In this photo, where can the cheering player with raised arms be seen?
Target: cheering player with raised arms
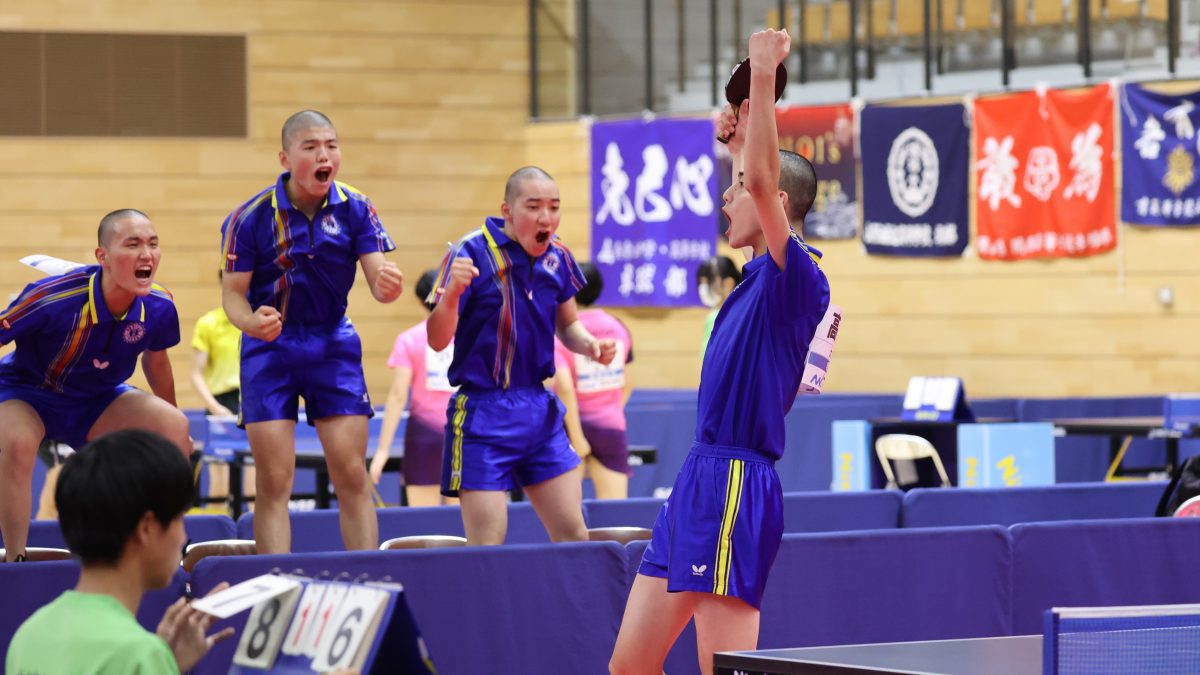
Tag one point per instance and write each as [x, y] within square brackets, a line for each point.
[502, 294]
[289, 258]
[717, 535]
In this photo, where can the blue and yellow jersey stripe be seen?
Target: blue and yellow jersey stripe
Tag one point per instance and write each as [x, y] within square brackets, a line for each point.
[231, 229]
[506, 329]
[48, 293]
[283, 260]
[71, 350]
[457, 424]
[812, 252]
[733, 502]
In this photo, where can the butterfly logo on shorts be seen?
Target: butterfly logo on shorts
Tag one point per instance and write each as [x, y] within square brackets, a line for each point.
[699, 571]
[100, 365]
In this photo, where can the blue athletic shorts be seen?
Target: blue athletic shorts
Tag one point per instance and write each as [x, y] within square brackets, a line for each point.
[498, 439]
[321, 363]
[67, 419]
[720, 529]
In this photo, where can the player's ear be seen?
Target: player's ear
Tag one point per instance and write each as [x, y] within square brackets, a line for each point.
[506, 210]
[783, 199]
[283, 160]
[100, 255]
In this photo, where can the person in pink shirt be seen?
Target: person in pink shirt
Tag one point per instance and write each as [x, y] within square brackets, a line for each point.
[600, 393]
[419, 367]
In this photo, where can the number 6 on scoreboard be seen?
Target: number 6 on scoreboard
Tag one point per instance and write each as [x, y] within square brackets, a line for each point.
[355, 625]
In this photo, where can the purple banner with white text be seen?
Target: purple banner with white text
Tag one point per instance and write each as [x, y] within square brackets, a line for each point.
[654, 209]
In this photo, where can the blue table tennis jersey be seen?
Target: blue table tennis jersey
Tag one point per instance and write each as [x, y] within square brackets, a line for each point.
[303, 268]
[755, 357]
[505, 335]
[70, 343]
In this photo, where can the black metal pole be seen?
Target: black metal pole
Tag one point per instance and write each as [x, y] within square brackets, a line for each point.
[681, 45]
[1172, 34]
[939, 46]
[533, 60]
[585, 58]
[802, 53]
[712, 50]
[737, 31]
[1085, 37]
[782, 9]
[870, 32]
[853, 47]
[928, 48]
[648, 24]
[1006, 60]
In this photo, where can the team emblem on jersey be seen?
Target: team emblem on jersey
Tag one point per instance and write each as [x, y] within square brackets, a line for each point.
[550, 262]
[134, 332]
[330, 225]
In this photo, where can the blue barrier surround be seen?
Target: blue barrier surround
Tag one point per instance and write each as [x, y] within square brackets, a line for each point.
[559, 606]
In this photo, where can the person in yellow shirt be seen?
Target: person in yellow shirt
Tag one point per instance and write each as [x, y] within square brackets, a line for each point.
[216, 345]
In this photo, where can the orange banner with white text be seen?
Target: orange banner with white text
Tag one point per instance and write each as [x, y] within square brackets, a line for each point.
[1044, 174]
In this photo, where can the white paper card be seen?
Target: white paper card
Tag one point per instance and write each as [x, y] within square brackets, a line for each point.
[351, 631]
[244, 595]
[326, 610]
[303, 618]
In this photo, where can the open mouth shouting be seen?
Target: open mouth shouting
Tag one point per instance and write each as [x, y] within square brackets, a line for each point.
[144, 273]
[324, 174]
[542, 237]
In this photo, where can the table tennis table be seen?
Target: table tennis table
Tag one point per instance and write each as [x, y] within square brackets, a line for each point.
[979, 656]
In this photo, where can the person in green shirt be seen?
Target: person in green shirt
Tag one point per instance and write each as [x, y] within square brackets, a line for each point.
[121, 501]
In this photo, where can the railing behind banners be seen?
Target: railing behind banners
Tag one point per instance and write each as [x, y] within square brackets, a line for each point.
[615, 57]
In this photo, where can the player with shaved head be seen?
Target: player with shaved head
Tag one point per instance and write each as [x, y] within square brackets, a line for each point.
[288, 257]
[79, 336]
[502, 293]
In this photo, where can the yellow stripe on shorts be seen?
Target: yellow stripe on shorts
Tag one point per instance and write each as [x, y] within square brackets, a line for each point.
[733, 501]
[460, 417]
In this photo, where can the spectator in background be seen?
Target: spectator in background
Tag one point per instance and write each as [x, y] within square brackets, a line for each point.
[715, 278]
[216, 344]
[598, 393]
[426, 372]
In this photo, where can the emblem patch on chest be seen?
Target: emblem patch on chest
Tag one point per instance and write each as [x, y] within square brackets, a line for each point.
[330, 225]
[134, 332]
[550, 262]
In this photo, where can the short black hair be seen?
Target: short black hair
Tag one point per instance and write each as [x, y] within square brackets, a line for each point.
[718, 267]
[305, 119]
[109, 221]
[588, 295]
[425, 286]
[106, 488]
[798, 179]
[513, 184]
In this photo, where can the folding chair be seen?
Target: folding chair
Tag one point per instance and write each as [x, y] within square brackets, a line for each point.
[907, 449]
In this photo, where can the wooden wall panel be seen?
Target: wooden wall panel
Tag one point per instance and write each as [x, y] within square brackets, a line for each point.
[430, 99]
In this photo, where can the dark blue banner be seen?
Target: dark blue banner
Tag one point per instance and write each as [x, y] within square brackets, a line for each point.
[1159, 156]
[654, 209]
[914, 178]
